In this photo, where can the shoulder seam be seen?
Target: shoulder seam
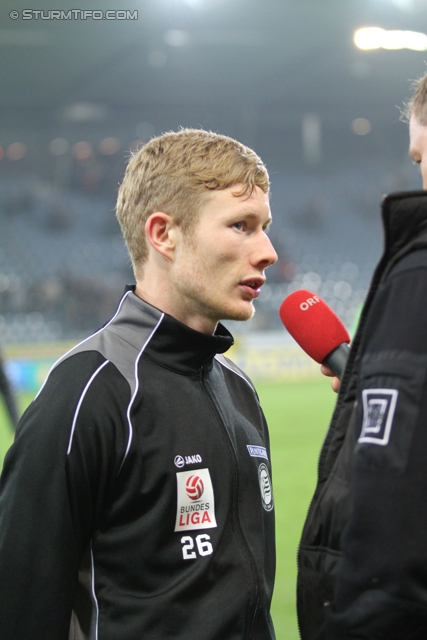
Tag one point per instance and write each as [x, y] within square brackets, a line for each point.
[69, 352]
[137, 389]
[79, 404]
[234, 369]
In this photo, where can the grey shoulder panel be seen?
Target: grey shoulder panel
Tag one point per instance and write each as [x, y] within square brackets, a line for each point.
[122, 340]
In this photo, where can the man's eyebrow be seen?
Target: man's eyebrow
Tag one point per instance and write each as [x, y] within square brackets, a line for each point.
[255, 216]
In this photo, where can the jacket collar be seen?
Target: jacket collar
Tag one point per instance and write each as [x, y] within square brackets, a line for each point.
[405, 217]
[175, 345]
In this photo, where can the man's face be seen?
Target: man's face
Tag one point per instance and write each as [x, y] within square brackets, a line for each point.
[418, 146]
[219, 265]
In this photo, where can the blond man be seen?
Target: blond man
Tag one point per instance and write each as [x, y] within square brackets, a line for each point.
[136, 501]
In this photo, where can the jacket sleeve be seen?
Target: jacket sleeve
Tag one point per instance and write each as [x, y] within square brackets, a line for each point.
[65, 456]
[381, 588]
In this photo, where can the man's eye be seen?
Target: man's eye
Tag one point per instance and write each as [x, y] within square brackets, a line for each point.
[238, 226]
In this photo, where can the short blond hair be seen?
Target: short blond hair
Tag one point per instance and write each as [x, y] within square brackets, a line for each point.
[174, 173]
[417, 105]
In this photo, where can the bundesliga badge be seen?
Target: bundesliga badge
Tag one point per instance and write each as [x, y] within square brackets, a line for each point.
[195, 501]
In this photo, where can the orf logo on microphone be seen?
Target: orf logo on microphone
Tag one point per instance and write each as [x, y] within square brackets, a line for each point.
[194, 487]
[309, 303]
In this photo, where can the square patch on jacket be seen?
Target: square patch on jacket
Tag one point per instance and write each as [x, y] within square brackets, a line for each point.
[195, 501]
[379, 406]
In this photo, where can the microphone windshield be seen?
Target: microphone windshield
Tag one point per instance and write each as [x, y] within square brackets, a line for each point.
[313, 324]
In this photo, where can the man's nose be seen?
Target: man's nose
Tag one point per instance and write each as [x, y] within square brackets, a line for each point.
[266, 254]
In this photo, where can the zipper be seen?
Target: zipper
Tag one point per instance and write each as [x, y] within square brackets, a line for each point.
[241, 537]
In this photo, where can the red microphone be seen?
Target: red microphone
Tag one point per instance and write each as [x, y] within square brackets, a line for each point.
[316, 328]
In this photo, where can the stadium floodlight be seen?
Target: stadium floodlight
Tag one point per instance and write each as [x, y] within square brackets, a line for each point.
[405, 5]
[361, 126]
[16, 151]
[377, 38]
[176, 38]
[195, 4]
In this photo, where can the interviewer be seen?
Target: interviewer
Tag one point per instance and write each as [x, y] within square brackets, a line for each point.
[363, 555]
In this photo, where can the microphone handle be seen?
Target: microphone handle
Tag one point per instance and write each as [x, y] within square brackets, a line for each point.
[337, 359]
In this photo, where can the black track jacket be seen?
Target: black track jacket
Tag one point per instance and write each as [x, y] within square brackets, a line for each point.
[363, 555]
[136, 501]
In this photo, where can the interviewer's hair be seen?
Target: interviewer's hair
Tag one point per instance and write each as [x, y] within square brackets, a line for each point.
[174, 173]
[418, 103]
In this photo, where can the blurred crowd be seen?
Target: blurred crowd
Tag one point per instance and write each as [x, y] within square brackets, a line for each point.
[63, 264]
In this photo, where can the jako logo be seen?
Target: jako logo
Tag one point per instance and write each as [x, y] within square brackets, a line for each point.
[194, 487]
[309, 303]
[179, 461]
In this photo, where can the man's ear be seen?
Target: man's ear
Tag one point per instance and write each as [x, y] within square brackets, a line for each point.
[160, 231]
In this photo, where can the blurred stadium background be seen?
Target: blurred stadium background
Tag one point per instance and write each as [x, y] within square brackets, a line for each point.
[81, 91]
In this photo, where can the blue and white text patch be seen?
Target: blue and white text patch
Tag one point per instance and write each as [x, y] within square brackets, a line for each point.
[257, 452]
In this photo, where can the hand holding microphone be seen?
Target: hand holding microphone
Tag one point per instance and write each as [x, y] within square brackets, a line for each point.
[317, 329]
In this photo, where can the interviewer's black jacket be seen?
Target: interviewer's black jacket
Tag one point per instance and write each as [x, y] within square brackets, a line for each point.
[363, 554]
[136, 501]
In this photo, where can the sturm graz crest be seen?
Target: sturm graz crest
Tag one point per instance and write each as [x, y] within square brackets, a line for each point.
[265, 486]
